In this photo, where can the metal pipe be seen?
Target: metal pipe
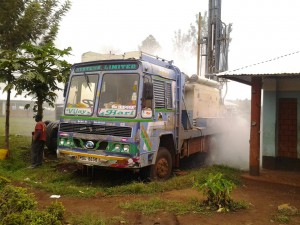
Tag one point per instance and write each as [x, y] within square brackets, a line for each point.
[199, 42]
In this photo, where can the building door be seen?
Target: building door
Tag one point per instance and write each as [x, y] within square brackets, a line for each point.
[287, 127]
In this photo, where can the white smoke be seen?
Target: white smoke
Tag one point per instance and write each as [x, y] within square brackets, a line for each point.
[231, 148]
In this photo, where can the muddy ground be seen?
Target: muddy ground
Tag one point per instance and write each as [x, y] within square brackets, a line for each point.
[263, 195]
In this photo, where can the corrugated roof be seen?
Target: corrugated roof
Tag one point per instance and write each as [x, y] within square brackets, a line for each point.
[286, 66]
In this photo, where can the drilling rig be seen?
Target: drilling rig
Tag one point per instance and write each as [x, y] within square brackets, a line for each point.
[139, 112]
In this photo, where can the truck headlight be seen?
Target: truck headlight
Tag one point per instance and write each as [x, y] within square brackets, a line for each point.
[117, 148]
[62, 142]
[126, 148]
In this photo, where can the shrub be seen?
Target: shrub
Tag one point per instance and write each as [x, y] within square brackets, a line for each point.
[18, 207]
[15, 200]
[56, 209]
[3, 181]
[217, 191]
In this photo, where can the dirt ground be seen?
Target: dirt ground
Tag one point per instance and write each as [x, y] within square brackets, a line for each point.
[263, 194]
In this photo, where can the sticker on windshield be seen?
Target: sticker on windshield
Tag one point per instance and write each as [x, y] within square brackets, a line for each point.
[121, 111]
[78, 111]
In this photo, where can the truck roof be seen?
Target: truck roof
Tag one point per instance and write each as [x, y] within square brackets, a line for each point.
[138, 55]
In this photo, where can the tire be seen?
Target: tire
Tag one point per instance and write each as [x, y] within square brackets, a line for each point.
[162, 169]
[51, 136]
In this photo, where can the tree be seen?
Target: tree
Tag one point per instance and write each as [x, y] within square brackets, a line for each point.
[42, 69]
[150, 45]
[8, 64]
[187, 42]
[24, 21]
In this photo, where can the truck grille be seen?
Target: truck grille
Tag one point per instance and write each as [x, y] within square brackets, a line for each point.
[96, 129]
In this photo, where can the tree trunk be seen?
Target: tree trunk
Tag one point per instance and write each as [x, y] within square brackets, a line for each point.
[40, 106]
[7, 121]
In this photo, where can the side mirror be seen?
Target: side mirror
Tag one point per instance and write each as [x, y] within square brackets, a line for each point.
[148, 91]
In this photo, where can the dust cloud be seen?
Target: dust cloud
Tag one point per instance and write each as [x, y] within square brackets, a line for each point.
[231, 147]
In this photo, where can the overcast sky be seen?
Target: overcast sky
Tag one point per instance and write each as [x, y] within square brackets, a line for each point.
[262, 29]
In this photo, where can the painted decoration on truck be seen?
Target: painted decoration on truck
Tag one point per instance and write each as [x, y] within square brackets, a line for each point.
[146, 138]
[147, 113]
[102, 67]
[78, 111]
[117, 110]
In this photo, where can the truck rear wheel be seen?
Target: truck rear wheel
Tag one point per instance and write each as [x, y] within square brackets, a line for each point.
[51, 136]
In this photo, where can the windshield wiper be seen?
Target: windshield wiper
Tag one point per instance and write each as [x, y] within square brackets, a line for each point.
[87, 81]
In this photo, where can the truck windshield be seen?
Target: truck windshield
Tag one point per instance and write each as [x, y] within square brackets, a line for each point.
[118, 96]
[80, 100]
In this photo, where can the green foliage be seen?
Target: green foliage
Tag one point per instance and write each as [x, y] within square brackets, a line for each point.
[30, 21]
[56, 209]
[8, 63]
[19, 207]
[217, 191]
[282, 218]
[42, 69]
[3, 181]
[15, 200]
[22, 22]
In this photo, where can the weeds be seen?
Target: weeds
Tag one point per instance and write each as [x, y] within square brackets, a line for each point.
[285, 212]
[217, 190]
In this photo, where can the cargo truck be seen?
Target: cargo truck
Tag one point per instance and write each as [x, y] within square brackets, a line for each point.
[135, 111]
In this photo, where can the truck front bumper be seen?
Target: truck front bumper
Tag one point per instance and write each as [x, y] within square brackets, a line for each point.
[99, 160]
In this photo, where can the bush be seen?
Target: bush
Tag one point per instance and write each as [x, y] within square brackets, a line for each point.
[18, 207]
[3, 181]
[56, 209]
[15, 200]
[217, 191]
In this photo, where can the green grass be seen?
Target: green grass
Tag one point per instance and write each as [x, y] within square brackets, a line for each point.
[94, 219]
[51, 178]
[155, 205]
[59, 177]
[192, 205]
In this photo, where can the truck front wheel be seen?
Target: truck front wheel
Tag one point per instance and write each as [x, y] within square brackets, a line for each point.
[162, 168]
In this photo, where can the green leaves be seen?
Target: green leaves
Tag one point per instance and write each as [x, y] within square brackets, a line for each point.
[35, 22]
[19, 207]
[42, 71]
[30, 21]
[217, 191]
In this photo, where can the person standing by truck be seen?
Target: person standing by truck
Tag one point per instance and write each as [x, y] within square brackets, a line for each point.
[38, 142]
